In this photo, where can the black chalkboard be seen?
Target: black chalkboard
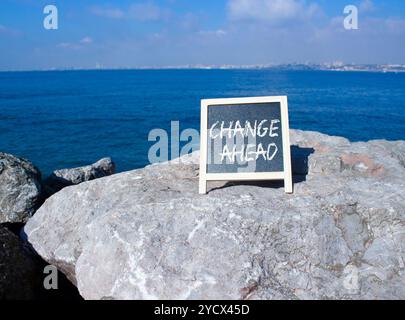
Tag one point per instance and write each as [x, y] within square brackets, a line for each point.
[245, 138]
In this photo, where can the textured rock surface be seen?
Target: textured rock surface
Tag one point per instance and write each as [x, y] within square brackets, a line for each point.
[60, 179]
[20, 189]
[148, 234]
[18, 270]
[22, 273]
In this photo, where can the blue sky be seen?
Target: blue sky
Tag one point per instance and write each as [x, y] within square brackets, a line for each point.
[132, 33]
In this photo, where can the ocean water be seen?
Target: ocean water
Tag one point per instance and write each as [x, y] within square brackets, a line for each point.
[71, 118]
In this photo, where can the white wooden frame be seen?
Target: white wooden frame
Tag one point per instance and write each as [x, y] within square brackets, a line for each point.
[285, 175]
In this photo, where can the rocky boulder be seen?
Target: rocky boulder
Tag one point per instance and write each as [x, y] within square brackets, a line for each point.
[18, 270]
[60, 179]
[20, 189]
[148, 234]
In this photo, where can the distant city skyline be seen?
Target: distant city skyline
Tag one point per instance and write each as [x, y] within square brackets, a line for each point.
[161, 33]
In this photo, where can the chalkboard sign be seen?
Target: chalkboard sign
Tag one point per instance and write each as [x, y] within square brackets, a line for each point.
[245, 139]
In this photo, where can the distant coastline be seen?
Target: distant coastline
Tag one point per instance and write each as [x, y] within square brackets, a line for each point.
[336, 66]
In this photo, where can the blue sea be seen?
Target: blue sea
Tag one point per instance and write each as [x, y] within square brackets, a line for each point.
[61, 119]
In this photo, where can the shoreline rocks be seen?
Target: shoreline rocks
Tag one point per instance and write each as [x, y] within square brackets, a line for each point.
[21, 194]
[18, 270]
[22, 273]
[60, 179]
[20, 189]
[148, 234]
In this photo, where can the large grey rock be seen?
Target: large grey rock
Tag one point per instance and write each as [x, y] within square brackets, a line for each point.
[147, 233]
[60, 179]
[20, 189]
[18, 270]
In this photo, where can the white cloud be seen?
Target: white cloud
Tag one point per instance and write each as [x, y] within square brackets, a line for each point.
[148, 11]
[141, 11]
[65, 45]
[190, 21]
[366, 6]
[114, 13]
[216, 33]
[8, 31]
[396, 26]
[86, 40]
[270, 10]
[75, 45]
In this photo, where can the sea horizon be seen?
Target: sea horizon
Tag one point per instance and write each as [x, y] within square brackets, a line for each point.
[335, 67]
